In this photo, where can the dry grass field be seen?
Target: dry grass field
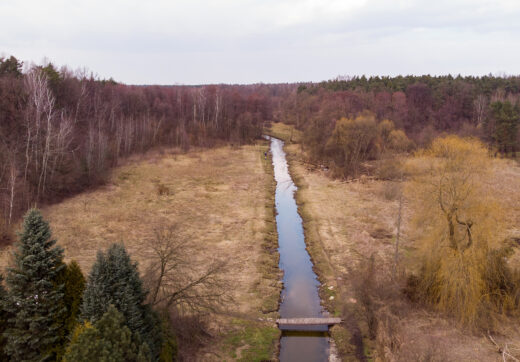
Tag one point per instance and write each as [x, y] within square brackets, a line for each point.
[221, 200]
[347, 223]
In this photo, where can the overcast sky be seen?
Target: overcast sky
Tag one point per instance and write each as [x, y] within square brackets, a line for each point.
[248, 41]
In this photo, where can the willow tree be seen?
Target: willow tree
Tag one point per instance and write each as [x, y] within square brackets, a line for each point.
[458, 225]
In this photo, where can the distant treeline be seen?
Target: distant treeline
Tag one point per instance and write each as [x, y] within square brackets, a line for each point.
[61, 131]
[487, 84]
[423, 106]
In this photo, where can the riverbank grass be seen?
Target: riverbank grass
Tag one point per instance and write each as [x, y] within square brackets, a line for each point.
[269, 260]
[251, 342]
[348, 224]
[222, 201]
[285, 132]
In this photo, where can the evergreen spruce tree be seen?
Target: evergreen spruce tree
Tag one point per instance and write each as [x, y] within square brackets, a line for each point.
[3, 320]
[169, 346]
[34, 298]
[108, 340]
[114, 280]
[506, 123]
[74, 284]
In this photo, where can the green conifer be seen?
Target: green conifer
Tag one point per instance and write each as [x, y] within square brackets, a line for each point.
[169, 346]
[74, 284]
[108, 340]
[114, 279]
[74, 287]
[34, 298]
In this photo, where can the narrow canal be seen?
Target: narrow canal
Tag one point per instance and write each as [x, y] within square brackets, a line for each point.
[300, 296]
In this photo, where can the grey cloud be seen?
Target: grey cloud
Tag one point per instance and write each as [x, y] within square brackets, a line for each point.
[264, 40]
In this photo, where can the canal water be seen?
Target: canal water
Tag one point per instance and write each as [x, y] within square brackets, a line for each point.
[300, 296]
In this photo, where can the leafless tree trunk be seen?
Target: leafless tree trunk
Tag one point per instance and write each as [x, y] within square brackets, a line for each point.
[398, 234]
[47, 145]
[479, 109]
[12, 188]
[118, 138]
[62, 142]
[218, 102]
[176, 280]
[39, 123]
[156, 131]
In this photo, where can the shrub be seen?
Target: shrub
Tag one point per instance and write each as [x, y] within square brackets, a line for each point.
[390, 190]
[383, 307]
[398, 141]
[169, 346]
[73, 281]
[6, 233]
[74, 286]
[390, 168]
[352, 142]
[463, 270]
[385, 127]
[109, 339]
[162, 189]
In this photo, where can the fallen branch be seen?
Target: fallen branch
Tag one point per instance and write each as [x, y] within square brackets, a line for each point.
[506, 350]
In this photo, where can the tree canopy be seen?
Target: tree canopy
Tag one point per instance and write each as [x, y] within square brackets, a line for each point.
[109, 339]
[35, 298]
[114, 280]
[458, 225]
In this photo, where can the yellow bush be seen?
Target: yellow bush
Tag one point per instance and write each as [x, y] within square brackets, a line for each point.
[352, 142]
[398, 141]
[457, 224]
[385, 127]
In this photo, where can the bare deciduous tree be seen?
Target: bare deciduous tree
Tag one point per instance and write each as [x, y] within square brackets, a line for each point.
[12, 188]
[480, 105]
[49, 133]
[175, 278]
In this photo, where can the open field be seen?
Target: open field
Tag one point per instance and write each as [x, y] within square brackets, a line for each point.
[285, 132]
[223, 201]
[347, 224]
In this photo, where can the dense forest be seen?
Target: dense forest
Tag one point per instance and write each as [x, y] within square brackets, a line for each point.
[421, 106]
[61, 131]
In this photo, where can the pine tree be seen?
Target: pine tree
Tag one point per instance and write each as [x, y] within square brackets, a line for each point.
[504, 125]
[74, 287]
[114, 279]
[169, 346]
[108, 340]
[74, 284]
[34, 298]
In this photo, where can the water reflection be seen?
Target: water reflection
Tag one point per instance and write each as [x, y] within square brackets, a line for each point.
[300, 294]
